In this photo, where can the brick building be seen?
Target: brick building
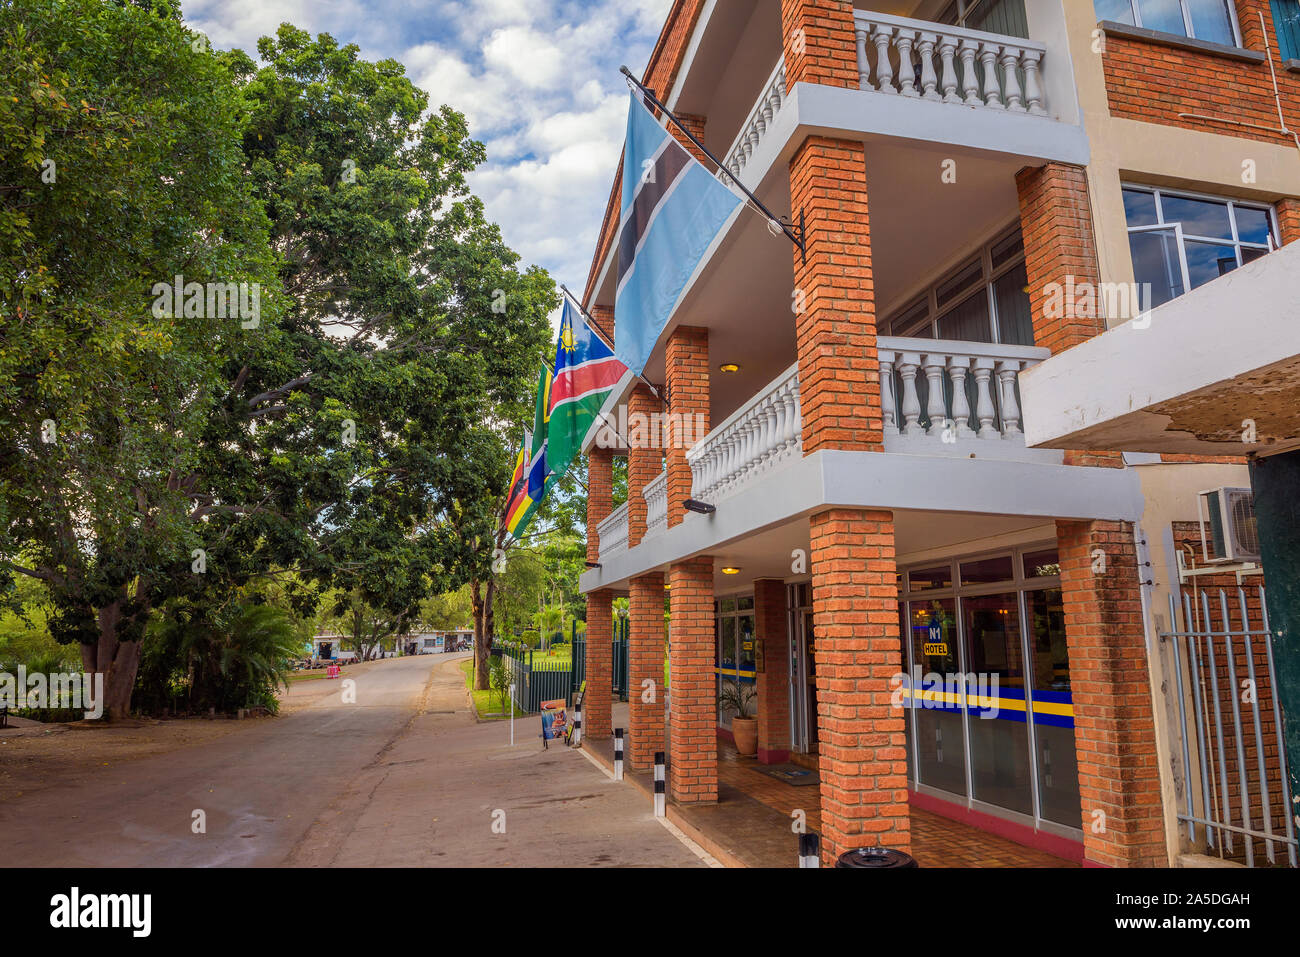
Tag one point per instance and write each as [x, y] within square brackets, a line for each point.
[982, 185]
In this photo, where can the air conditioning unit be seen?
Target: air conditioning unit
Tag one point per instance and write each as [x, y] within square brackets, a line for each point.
[1228, 529]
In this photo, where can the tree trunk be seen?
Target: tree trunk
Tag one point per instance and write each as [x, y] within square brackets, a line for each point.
[118, 661]
[481, 636]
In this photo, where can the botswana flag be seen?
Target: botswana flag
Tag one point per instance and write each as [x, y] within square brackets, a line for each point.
[673, 209]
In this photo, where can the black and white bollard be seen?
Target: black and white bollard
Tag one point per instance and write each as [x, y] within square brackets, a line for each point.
[577, 727]
[809, 850]
[618, 754]
[661, 784]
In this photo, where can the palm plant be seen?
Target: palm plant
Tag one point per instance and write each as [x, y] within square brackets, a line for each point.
[737, 697]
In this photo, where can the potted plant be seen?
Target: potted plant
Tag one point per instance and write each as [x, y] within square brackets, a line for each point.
[744, 726]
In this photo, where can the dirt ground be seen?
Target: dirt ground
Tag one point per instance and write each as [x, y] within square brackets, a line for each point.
[35, 757]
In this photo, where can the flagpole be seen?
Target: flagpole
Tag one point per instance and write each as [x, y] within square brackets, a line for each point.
[788, 228]
[591, 321]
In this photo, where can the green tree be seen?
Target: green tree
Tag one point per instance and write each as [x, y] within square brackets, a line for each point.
[120, 169]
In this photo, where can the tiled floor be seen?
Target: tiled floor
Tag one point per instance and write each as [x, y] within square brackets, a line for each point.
[752, 821]
[937, 841]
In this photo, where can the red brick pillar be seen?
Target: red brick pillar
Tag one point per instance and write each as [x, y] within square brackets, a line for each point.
[1288, 219]
[771, 632]
[604, 317]
[1056, 223]
[597, 720]
[693, 730]
[600, 497]
[687, 364]
[644, 459]
[645, 663]
[695, 124]
[1114, 729]
[820, 42]
[1061, 251]
[862, 756]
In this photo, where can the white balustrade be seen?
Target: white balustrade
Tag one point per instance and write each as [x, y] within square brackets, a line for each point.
[949, 64]
[656, 505]
[763, 434]
[760, 120]
[951, 371]
[613, 533]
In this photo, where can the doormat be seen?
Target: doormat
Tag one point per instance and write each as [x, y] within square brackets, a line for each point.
[791, 774]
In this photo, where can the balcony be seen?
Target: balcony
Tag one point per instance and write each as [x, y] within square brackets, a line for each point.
[939, 399]
[1013, 95]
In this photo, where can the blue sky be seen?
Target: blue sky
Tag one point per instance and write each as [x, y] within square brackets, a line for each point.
[537, 79]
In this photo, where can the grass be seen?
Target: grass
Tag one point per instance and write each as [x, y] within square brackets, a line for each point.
[485, 702]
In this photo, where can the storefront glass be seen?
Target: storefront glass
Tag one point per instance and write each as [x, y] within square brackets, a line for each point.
[993, 625]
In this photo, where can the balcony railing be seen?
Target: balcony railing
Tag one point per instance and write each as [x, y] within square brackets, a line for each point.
[763, 434]
[613, 533]
[952, 391]
[769, 105]
[933, 61]
[656, 505]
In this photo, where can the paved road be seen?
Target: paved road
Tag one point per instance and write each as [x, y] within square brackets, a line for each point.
[402, 777]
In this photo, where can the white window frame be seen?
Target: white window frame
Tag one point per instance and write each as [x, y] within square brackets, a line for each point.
[1189, 32]
[1236, 242]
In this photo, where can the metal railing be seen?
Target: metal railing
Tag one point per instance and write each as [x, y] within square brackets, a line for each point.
[1234, 795]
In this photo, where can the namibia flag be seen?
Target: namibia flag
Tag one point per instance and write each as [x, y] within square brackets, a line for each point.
[586, 373]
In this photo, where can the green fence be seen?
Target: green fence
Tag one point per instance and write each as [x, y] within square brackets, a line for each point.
[538, 678]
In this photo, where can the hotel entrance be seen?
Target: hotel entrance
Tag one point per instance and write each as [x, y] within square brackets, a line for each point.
[993, 627]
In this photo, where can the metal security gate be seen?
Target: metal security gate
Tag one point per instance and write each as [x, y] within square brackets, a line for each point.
[1232, 782]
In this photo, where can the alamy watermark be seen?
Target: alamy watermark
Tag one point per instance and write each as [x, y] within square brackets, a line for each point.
[1087, 300]
[210, 300]
[977, 691]
[657, 430]
[57, 690]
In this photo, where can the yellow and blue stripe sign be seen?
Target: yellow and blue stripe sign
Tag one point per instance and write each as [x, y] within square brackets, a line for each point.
[1051, 708]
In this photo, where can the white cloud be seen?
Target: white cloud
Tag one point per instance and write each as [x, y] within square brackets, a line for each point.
[537, 80]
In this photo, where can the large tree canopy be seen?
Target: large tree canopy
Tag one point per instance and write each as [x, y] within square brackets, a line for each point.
[351, 433]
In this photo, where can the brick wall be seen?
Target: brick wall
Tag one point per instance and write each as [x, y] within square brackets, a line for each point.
[773, 685]
[1288, 219]
[596, 716]
[862, 755]
[820, 42]
[643, 465]
[693, 746]
[1114, 728]
[687, 362]
[1155, 82]
[835, 324]
[645, 661]
[600, 497]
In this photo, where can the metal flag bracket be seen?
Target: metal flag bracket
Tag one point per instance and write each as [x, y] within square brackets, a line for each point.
[795, 232]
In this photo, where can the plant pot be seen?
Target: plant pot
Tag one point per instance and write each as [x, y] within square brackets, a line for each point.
[745, 731]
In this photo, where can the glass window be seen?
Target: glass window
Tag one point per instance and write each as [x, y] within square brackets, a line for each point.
[1044, 564]
[1286, 20]
[1056, 761]
[1180, 242]
[1117, 11]
[957, 306]
[1140, 208]
[987, 570]
[930, 579]
[1200, 217]
[1157, 268]
[1015, 314]
[999, 733]
[949, 291]
[940, 733]
[969, 322]
[1202, 19]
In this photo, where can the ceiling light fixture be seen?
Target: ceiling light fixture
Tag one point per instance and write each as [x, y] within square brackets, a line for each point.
[729, 367]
